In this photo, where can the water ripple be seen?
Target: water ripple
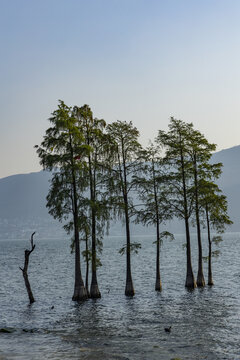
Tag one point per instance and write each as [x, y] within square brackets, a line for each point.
[205, 322]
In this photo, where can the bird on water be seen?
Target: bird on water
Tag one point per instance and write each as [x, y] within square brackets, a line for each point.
[168, 329]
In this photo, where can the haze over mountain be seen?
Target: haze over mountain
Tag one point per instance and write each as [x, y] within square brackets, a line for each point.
[23, 201]
[230, 181]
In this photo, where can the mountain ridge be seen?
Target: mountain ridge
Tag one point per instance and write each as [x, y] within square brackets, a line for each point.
[23, 197]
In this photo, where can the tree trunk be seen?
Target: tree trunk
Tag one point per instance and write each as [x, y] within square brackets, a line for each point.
[80, 292]
[94, 290]
[25, 273]
[158, 284]
[87, 268]
[210, 279]
[28, 287]
[129, 290]
[190, 281]
[200, 276]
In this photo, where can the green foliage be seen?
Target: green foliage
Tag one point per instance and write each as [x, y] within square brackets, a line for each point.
[166, 235]
[96, 168]
[134, 247]
[217, 239]
[193, 194]
[62, 144]
[87, 255]
[150, 182]
[125, 151]
[74, 148]
[178, 167]
[214, 204]
[216, 253]
[96, 198]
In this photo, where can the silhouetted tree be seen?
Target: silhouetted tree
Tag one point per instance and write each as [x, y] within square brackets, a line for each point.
[62, 144]
[152, 192]
[200, 151]
[96, 175]
[216, 216]
[180, 182]
[25, 270]
[124, 137]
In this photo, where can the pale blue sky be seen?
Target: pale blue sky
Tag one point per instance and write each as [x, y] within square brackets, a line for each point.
[139, 60]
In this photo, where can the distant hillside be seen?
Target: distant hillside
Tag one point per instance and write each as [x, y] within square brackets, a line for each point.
[24, 196]
[23, 207]
[23, 200]
[230, 181]
[231, 165]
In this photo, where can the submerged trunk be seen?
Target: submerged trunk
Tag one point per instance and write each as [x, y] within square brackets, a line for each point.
[200, 276]
[94, 290]
[80, 292]
[129, 290]
[190, 281]
[28, 287]
[87, 268]
[210, 279]
[158, 284]
[25, 273]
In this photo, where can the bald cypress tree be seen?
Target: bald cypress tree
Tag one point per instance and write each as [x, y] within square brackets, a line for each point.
[180, 181]
[214, 213]
[96, 174]
[200, 152]
[153, 209]
[63, 142]
[124, 138]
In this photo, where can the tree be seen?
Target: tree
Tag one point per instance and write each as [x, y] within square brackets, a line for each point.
[199, 151]
[214, 204]
[24, 270]
[62, 144]
[152, 191]
[86, 254]
[84, 235]
[180, 182]
[126, 148]
[95, 172]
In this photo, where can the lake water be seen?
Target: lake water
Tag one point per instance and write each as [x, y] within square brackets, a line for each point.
[205, 322]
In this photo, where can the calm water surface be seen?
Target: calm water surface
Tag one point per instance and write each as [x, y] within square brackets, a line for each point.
[205, 322]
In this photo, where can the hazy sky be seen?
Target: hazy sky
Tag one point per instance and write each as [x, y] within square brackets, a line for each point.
[139, 60]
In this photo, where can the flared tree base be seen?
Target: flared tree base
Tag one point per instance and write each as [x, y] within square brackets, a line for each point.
[158, 285]
[200, 280]
[129, 290]
[80, 293]
[210, 282]
[94, 292]
[190, 282]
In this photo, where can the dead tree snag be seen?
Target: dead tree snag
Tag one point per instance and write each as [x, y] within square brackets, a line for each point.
[25, 269]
